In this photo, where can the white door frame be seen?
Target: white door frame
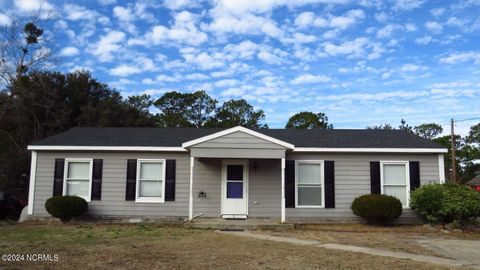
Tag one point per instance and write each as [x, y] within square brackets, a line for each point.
[245, 165]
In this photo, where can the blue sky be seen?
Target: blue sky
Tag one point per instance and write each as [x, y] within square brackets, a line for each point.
[361, 62]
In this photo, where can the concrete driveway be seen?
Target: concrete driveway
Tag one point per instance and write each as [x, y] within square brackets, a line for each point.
[465, 251]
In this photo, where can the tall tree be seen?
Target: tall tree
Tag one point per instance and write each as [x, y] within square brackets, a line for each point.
[474, 134]
[237, 113]
[50, 102]
[385, 127]
[22, 50]
[173, 108]
[185, 109]
[202, 108]
[405, 126]
[308, 120]
[428, 130]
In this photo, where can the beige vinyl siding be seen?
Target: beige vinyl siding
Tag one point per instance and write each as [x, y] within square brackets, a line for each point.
[238, 145]
[352, 179]
[114, 183]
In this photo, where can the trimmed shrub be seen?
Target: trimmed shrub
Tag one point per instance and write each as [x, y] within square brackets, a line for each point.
[66, 207]
[446, 203]
[379, 209]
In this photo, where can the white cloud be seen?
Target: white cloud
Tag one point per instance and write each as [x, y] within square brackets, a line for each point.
[270, 58]
[348, 19]
[437, 12]
[180, 4]
[204, 60]
[381, 17]
[412, 68]
[124, 70]
[309, 78]
[107, 45]
[351, 17]
[244, 50]
[107, 2]
[386, 31]
[454, 21]
[33, 5]
[5, 20]
[410, 27]
[461, 57]
[434, 27]
[452, 84]
[184, 31]
[123, 14]
[69, 51]
[302, 38]
[226, 83]
[424, 40]
[407, 5]
[75, 12]
[358, 48]
[197, 76]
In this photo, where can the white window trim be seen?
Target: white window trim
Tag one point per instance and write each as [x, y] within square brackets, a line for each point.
[407, 178]
[65, 175]
[322, 179]
[137, 182]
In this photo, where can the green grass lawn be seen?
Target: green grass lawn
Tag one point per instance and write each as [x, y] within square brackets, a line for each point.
[149, 246]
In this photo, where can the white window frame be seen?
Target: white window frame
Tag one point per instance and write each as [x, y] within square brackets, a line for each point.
[140, 199]
[65, 175]
[322, 182]
[407, 178]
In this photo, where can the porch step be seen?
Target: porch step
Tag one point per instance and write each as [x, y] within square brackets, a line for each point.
[247, 224]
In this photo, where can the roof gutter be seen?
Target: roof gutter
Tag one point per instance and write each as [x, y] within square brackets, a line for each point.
[370, 150]
[181, 149]
[106, 148]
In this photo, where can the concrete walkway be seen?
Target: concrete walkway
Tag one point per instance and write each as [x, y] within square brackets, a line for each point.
[371, 251]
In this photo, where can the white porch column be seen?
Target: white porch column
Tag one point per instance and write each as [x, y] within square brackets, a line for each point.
[441, 168]
[283, 190]
[31, 187]
[190, 201]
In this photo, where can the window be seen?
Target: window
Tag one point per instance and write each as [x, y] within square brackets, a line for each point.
[78, 178]
[150, 180]
[395, 178]
[309, 183]
[234, 181]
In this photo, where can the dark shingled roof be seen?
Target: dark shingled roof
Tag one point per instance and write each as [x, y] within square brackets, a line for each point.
[331, 138]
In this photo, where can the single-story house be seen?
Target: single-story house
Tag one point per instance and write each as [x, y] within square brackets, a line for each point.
[293, 175]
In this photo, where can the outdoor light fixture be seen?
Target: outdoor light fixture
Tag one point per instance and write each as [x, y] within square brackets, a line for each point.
[202, 194]
[255, 165]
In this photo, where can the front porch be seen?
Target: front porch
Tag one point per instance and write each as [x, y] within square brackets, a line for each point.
[237, 174]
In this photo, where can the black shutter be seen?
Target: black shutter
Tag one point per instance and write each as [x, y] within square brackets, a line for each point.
[131, 180]
[170, 180]
[329, 184]
[414, 175]
[290, 184]
[58, 177]
[375, 177]
[97, 179]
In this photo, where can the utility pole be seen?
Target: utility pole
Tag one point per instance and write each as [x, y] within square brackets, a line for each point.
[454, 162]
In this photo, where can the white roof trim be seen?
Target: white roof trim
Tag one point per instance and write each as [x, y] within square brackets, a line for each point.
[372, 150]
[106, 148]
[235, 129]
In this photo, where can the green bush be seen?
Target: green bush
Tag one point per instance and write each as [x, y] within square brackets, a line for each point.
[380, 209]
[446, 203]
[66, 207]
